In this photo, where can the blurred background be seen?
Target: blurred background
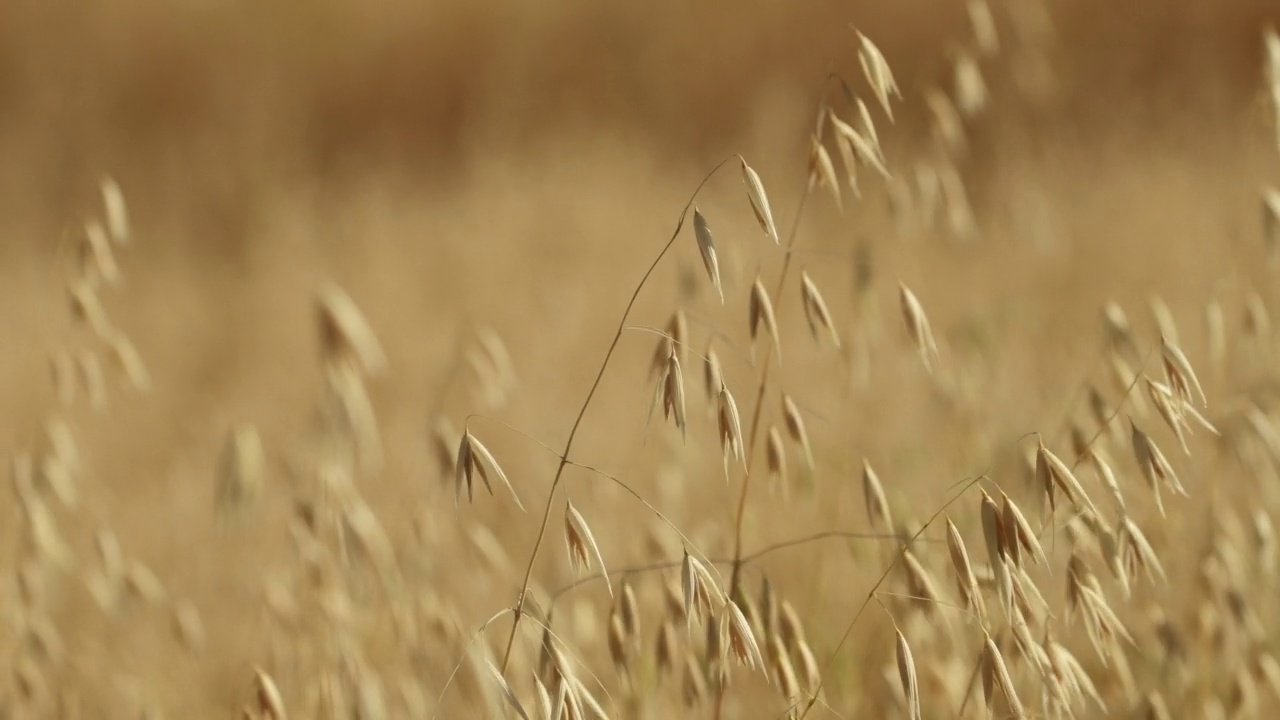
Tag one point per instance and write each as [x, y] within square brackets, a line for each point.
[455, 165]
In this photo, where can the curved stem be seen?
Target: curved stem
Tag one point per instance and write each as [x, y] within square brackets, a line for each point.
[573, 431]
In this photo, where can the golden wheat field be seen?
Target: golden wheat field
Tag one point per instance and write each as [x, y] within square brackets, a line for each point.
[640, 360]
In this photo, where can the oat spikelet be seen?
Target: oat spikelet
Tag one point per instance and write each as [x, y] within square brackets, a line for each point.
[730, 427]
[857, 148]
[270, 703]
[1155, 467]
[738, 639]
[815, 309]
[760, 310]
[1054, 473]
[822, 172]
[129, 363]
[116, 211]
[775, 457]
[97, 259]
[712, 375]
[240, 471]
[966, 580]
[759, 201]
[699, 589]
[983, 25]
[507, 692]
[581, 544]
[1271, 220]
[907, 675]
[796, 429]
[971, 88]
[707, 248]
[88, 309]
[873, 497]
[876, 68]
[995, 673]
[345, 334]
[672, 393]
[474, 457]
[1179, 373]
[918, 327]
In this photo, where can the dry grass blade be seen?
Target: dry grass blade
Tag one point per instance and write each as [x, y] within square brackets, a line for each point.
[760, 310]
[907, 675]
[815, 309]
[582, 546]
[759, 201]
[707, 248]
[918, 327]
[876, 68]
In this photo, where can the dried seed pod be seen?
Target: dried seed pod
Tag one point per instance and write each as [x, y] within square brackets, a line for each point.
[815, 309]
[759, 201]
[707, 248]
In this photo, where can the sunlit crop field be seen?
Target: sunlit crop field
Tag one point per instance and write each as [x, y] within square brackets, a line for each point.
[640, 360]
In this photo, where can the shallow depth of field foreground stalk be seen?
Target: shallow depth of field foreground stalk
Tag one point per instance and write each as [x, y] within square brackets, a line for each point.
[573, 431]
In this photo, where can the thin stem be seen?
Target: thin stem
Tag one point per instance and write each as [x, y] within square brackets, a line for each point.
[573, 431]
